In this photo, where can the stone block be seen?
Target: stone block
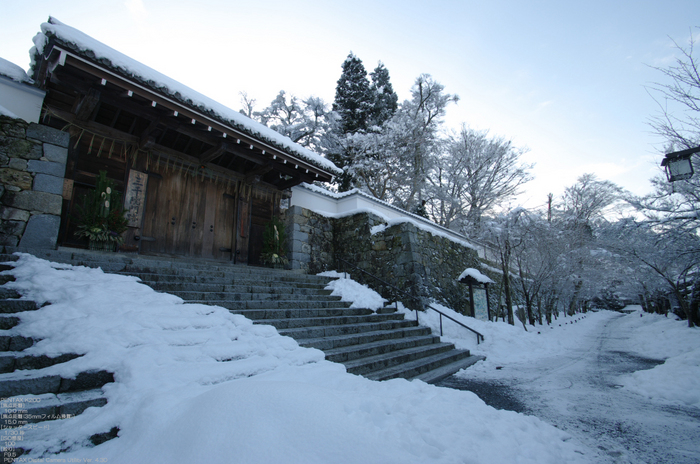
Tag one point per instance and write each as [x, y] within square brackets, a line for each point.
[35, 201]
[12, 228]
[47, 167]
[13, 214]
[20, 148]
[55, 153]
[17, 163]
[296, 246]
[41, 232]
[14, 177]
[49, 184]
[48, 134]
[13, 127]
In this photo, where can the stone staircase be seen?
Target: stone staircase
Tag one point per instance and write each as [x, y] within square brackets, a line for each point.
[28, 394]
[379, 346]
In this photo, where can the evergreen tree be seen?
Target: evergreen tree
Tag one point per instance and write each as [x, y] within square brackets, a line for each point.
[353, 96]
[354, 105]
[385, 99]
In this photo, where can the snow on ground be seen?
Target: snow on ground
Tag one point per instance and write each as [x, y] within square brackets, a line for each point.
[348, 290]
[676, 381]
[195, 383]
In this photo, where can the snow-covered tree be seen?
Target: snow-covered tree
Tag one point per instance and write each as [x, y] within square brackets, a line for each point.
[393, 164]
[353, 96]
[589, 199]
[385, 99]
[474, 174]
[307, 122]
[354, 105]
[503, 234]
[677, 204]
[673, 257]
[678, 121]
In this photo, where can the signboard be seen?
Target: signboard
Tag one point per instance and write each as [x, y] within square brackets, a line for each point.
[481, 309]
[135, 197]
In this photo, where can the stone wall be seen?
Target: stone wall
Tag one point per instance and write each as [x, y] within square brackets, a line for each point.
[310, 241]
[416, 261]
[32, 168]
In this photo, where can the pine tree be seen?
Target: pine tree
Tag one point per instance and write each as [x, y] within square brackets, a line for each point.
[385, 99]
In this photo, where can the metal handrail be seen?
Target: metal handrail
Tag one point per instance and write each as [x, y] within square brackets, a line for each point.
[479, 336]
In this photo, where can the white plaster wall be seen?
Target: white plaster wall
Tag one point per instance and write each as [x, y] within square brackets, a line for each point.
[21, 99]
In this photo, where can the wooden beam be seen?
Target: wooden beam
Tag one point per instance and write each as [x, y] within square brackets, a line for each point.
[147, 140]
[87, 104]
[213, 153]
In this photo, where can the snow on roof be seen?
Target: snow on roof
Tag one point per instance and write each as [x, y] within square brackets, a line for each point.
[13, 71]
[476, 275]
[88, 47]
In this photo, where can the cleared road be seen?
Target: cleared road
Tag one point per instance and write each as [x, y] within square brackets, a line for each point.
[577, 392]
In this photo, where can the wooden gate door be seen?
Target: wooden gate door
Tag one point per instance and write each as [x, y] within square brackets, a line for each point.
[188, 216]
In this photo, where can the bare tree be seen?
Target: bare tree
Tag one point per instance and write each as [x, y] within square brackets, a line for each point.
[678, 120]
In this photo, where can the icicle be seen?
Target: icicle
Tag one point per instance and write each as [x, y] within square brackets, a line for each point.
[91, 142]
[111, 147]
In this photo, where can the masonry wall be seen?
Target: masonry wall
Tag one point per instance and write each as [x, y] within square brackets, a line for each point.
[32, 168]
[416, 261]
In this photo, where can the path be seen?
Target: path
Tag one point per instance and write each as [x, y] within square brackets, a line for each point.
[577, 392]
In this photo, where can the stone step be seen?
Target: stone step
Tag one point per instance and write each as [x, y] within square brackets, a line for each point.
[274, 304]
[35, 382]
[323, 331]
[289, 323]
[10, 362]
[284, 289]
[262, 315]
[8, 293]
[271, 298]
[337, 341]
[12, 342]
[365, 366]
[220, 278]
[365, 350]
[17, 411]
[12, 305]
[418, 366]
[435, 375]
[8, 322]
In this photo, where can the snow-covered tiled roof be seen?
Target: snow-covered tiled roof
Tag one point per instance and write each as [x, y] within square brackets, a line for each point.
[476, 275]
[87, 47]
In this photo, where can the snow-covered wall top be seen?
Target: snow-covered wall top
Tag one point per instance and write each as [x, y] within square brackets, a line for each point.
[96, 51]
[331, 204]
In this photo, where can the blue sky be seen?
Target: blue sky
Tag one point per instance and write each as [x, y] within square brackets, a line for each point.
[565, 79]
